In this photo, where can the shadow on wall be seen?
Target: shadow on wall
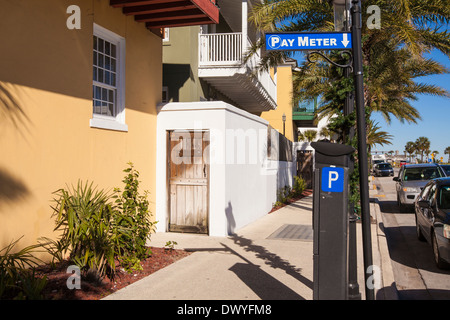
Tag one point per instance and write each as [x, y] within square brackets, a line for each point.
[175, 77]
[11, 188]
[231, 223]
[10, 109]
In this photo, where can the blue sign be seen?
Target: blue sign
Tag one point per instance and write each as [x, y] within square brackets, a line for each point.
[309, 41]
[332, 179]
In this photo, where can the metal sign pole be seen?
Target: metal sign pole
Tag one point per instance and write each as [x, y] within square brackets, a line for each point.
[362, 145]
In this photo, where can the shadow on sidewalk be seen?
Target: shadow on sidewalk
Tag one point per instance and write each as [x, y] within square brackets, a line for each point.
[263, 284]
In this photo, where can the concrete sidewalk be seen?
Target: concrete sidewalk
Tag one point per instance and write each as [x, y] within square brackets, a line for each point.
[269, 259]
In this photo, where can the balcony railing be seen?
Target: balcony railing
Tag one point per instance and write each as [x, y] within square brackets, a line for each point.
[220, 49]
[222, 55]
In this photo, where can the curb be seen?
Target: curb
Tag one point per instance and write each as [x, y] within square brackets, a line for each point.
[388, 290]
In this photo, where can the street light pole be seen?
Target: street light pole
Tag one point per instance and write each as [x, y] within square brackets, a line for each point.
[362, 145]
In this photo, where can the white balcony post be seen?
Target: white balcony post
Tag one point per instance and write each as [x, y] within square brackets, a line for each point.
[244, 26]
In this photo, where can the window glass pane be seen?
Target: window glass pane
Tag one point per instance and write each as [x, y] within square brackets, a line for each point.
[98, 93]
[113, 79]
[101, 62]
[113, 65]
[95, 43]
[107, 77]
[107, 48]
[113, 50]
[100, 75]
[101, 44]
[95, 74]
[444, 198]
[95, 58]
[107, 63]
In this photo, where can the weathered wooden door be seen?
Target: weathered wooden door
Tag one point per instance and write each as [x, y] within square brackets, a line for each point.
[188, 181]
[305, 167]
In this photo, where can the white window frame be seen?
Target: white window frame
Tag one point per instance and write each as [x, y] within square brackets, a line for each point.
[103, 121]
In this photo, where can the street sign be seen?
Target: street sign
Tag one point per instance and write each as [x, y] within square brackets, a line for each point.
[309, 41]
[332, 179]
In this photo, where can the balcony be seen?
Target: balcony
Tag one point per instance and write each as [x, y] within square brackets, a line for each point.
[221, 65]
[157, 14]
[304, 113]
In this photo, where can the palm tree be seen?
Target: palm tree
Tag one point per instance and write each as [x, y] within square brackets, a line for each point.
[310, 135]
[375, 136]
[447, 151]
[393, 55]
[410, 148]
[422, 146]
[326, 133]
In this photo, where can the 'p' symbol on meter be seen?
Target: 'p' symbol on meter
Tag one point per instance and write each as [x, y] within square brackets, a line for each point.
[332, 179]
[274, 42]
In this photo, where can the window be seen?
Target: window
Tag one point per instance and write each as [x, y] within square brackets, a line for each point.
[421, 173]
[108, 80]
[165, 95]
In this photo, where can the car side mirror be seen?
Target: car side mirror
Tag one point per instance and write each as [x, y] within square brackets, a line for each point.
[395, 178]
[423, 203]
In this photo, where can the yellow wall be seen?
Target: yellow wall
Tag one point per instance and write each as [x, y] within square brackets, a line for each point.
[284, 103]
[46, 104]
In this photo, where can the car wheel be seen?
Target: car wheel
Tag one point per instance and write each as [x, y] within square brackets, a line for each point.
[419, 232]
[440, 263]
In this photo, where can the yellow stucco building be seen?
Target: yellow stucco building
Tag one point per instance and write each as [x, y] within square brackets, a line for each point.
[284, 102]
[79, 84]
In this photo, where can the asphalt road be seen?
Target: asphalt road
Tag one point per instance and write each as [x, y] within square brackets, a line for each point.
[415, 273]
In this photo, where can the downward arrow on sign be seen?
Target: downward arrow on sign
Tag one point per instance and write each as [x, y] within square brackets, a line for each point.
[345, 41]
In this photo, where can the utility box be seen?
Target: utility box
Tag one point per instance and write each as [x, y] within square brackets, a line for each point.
[330, 220]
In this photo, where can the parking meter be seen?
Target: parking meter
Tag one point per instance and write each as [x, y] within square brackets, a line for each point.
[330, 220]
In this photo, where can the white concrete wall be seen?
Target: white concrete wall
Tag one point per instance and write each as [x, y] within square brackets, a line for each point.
[286, 172]
[242, 181]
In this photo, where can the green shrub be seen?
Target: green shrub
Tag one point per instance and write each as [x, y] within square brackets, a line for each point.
[283, 195]
[97, 231]
[18, 279]
[84, 215]
[299, 186]
[132, 221]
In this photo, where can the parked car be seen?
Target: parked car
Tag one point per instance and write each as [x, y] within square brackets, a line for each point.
[403, 162]
[374, 162]
[383, 169]
[446, 168]
[432, 210]
[411, 179]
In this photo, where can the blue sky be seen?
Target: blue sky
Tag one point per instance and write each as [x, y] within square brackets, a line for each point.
[434, 111]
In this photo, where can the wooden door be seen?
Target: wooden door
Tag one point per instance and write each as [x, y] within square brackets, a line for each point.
[188, 181]
[305, 167]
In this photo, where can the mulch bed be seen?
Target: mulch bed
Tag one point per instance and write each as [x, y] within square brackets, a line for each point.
[56, 288]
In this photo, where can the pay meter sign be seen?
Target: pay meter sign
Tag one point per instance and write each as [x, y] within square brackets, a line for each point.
[332, 179]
